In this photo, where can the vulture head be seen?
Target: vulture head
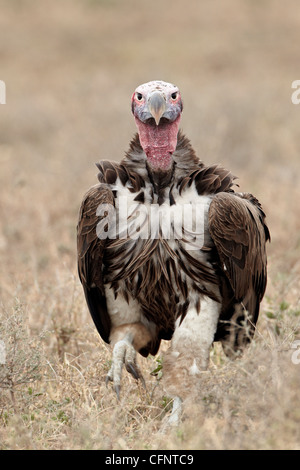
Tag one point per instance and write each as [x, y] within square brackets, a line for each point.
[157, 108]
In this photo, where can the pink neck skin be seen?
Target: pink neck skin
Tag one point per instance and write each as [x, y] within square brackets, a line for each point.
[158, 142]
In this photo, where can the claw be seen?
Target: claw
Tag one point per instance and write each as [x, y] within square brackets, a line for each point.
[143, 382]
[117, 390]
[110, 374]
[131, 368]
[108, 378]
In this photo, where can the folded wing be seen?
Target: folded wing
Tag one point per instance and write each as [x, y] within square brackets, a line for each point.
[237, 227]
[90, 248]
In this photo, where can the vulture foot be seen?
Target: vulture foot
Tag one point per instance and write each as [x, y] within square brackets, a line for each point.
[123, 353]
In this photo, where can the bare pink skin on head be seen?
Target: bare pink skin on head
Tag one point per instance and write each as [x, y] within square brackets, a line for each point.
[159, 142]
[157, 108]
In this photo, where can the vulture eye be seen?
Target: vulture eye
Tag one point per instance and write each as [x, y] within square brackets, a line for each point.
[174, 95]
[139, 96]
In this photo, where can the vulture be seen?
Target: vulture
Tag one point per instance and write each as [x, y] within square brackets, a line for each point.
[168, 250]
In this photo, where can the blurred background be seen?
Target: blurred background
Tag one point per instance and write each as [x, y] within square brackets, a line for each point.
[70, 68]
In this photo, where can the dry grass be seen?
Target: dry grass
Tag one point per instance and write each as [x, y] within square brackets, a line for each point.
[69, 69]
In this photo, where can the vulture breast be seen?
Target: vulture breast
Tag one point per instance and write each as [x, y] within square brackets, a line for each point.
[158, 257]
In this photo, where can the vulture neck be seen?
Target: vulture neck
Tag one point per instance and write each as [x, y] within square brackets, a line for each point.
[159, 143]
[184, 158]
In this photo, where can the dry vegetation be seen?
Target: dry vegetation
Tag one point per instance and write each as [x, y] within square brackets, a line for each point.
[70, 68]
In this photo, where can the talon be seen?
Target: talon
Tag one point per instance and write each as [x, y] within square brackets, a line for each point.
[131, 368]
[143, 382]
[108, 378]
[117, 390]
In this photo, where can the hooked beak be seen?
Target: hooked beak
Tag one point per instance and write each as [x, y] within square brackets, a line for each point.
[157, 106]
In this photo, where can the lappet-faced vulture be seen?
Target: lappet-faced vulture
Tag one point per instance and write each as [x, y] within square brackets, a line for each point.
[168, 250]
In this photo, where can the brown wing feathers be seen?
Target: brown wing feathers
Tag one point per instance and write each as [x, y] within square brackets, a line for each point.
[90, 255]
[239, 233]
[237, 227]
[208, 180]
[110, 171]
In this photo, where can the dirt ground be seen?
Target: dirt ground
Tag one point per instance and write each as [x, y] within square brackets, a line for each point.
[70, 68]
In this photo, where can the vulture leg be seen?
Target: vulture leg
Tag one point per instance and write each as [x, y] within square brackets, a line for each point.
[126, 340]
[188, 355]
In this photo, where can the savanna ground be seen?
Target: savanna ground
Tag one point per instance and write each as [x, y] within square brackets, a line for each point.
[70, 69]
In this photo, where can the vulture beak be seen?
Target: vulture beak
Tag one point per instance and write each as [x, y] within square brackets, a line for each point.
[157, 106]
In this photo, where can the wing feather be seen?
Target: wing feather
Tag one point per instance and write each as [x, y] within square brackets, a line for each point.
[90, 250]
[237, 227]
